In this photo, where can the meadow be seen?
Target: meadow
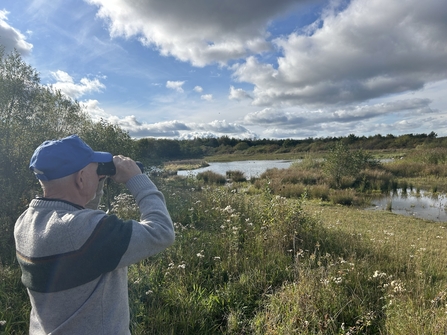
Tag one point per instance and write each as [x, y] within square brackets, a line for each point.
[251, 257]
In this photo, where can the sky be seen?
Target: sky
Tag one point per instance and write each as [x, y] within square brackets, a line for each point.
[279, 69]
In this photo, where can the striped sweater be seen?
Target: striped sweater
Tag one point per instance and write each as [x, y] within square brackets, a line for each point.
[74, 260]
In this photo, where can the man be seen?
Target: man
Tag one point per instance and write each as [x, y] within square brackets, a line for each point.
[74, 260]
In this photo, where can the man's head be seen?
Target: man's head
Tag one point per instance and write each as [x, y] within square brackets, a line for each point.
[59, 158]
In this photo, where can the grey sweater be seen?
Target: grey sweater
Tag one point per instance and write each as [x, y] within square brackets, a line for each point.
[74, 260]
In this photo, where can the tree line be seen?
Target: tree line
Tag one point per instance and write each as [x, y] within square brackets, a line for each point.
[159, 150]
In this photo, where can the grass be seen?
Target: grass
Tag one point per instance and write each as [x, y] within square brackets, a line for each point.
[248, 260]
[254, 156]
[264, 264]
[189, 164]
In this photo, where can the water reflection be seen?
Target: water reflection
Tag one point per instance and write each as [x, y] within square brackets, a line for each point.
[251, 169]
[422, 204]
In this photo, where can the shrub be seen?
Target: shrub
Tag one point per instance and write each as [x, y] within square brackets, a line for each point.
[341, 163]
[319, 192]
[343, 197]
[292, 190]
[236, 176]
[210, 177]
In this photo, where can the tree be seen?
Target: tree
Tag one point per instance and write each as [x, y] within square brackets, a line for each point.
[29, 114]
[104, 136]
[341, 162]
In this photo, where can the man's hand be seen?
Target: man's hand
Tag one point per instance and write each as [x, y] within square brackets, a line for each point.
[126, 168]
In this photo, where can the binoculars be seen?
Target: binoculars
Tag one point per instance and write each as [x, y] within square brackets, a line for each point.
[109, 169]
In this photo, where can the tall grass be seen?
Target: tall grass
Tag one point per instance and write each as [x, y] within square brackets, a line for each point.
[266, 264]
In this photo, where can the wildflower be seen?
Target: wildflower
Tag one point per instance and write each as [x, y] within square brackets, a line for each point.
[397, 286]
[378, 274]
[2, 322]
[337, 280]
[216, 258]
[324, 281]
[200, 255]
[228, 209]
[182, 266]
[149, 292]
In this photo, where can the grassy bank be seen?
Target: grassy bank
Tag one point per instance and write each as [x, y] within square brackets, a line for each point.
[264, 264]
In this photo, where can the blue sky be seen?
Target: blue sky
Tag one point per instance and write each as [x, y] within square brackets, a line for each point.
[245, 69]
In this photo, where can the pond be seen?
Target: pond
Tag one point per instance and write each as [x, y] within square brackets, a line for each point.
[422, 204]
[251, 169]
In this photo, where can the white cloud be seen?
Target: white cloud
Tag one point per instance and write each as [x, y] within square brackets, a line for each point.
[238, 94]
[200, 32]
[207, 97]
[371, 49]
[198, 89]
[168, 129]
[175, 85]
[66, 84]
[92, 107]
[12, 38]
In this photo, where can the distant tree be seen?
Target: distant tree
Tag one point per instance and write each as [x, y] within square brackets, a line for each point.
[341, 162]
[146, 151]
[241, 146]
[432, 135]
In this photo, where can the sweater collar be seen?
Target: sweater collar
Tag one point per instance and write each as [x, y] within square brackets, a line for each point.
[60, 200]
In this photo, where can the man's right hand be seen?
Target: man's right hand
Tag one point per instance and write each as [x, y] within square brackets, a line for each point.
[126, 168]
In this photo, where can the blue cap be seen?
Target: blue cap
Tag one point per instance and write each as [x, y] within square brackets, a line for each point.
[59, 158]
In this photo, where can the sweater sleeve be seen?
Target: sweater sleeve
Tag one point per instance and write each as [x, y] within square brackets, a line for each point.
[155, 231]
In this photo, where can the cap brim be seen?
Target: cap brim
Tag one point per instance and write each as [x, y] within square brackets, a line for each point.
[101, 157]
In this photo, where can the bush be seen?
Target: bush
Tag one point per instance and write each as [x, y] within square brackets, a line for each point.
[343, 197]
[210, 177]
[236, 176]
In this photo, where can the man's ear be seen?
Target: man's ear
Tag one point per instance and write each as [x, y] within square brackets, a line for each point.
[80, 179]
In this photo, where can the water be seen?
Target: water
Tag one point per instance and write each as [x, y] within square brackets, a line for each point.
[424, 205]
[250, 169]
